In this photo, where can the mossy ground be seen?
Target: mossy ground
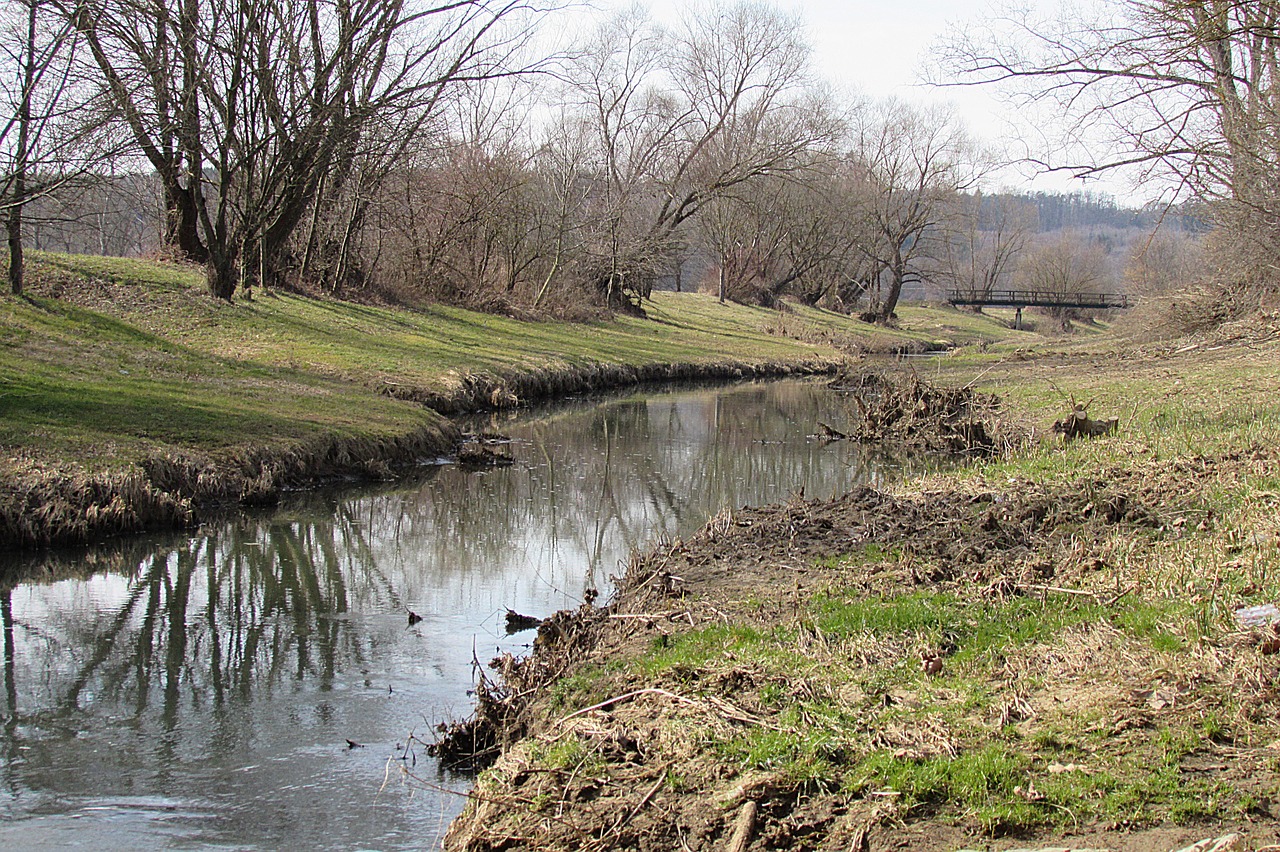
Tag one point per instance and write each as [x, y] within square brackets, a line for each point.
[1040, 648]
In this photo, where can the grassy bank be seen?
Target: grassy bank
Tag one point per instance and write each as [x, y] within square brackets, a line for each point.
[1038, 649]
[129, 399]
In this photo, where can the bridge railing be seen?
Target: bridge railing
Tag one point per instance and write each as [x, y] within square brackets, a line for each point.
[1039, 299]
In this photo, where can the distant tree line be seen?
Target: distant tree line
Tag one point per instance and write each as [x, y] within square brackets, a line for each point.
[1181, 95]
[422, 151]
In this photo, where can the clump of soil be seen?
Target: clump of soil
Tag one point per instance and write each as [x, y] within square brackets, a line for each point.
[908, 411]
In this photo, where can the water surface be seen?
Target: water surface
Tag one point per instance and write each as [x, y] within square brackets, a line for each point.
[205, 690]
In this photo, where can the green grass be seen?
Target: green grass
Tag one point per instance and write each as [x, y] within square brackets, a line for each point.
[977, 625]
[998, 778]
[111, 359]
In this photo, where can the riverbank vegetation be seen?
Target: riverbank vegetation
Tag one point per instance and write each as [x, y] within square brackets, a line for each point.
[1042, 647]
[130, 398]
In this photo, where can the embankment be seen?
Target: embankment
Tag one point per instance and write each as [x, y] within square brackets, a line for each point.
[43, 506]
[1040, 650]
[59, 506]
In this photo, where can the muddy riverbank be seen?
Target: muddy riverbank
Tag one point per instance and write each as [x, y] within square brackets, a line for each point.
[1043, 651]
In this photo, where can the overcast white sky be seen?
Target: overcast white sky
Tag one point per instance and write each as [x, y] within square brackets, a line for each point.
[880, 47]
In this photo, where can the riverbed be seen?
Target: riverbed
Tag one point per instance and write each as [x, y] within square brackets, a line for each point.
[259, 683]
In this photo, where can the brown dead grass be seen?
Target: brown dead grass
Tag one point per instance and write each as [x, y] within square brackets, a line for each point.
[615, 758]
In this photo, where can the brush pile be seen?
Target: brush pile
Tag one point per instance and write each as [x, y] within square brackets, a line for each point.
[909, 411]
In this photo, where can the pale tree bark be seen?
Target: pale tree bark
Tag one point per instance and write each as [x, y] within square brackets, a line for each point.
[560, 167]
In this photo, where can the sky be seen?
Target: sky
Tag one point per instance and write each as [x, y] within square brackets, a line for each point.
[879, 48]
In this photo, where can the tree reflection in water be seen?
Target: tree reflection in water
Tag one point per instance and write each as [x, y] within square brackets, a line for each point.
[228, 668]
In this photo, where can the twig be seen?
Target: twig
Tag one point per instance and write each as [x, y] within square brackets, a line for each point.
[1115, 599]
[627, 697]
[716, 705]
[644, 800]
[743, 827]
[1128, 424]
[1071, 400]
[723, 617]
[737, 714]
[1035, 587]
[978, 377]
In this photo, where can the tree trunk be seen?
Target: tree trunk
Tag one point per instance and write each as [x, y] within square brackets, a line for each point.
[897, 278]
[14, 226]
[19, 191]
[182, 218]
[223, 274]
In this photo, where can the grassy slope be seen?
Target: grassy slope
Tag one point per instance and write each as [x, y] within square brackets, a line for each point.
[1129, 712]
[133, 358]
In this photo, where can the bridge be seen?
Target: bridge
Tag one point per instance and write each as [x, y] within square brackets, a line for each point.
[1039, 299]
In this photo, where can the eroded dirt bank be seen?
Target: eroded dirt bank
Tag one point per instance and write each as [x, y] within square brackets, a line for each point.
[44, 504]
[987, 662]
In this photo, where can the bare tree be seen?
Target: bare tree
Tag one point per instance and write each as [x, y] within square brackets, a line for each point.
[565, 191]
[250, 109]
[917, 161]
[983, 243]
[683, 119]
[796, 234]
[1166, 260]
[1187, 92]
[1062, 265]
[46, 123]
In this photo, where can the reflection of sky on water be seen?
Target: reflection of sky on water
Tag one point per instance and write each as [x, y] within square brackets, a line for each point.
[200, 690]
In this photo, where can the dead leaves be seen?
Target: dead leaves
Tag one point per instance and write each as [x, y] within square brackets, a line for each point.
[1029, 792]
[1063, 768]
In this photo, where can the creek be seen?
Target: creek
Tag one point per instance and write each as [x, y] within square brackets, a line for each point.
[256, 683]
